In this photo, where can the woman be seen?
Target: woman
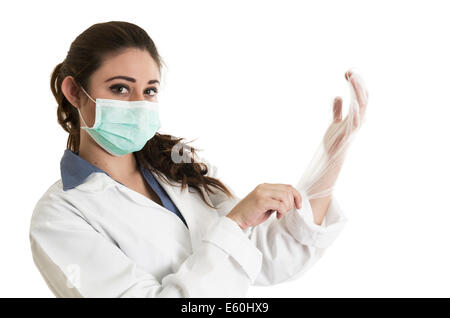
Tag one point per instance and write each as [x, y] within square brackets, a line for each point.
[129, 219]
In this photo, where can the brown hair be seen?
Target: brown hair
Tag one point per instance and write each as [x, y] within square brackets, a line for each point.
[83, 58]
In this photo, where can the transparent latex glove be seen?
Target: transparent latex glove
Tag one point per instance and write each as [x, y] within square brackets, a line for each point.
[320, 176]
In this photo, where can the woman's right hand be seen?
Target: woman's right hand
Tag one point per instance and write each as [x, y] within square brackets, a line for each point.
[259, 204]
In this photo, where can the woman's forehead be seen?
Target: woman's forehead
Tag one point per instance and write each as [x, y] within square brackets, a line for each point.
[134, 63]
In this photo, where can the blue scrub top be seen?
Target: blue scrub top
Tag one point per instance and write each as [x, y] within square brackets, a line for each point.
[74, 170]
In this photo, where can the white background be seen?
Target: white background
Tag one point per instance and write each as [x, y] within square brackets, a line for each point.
[252, 82]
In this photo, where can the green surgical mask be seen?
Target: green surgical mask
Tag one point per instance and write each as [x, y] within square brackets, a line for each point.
[122, 127]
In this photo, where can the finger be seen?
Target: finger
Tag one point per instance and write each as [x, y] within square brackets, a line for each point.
[285, 193]
[359, 91]
[286, 200]
[357, 109]
[364, 98]
[295, 195]
[337, 109]
[281, 210]
[354, 115]
[298, 198]
[348, 74]
[276, 202]
[275, 205]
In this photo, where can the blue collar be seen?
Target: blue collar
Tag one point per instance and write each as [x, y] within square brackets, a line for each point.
[75, 170]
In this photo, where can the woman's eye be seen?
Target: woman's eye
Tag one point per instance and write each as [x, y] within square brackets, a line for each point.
[155, 91]
[117, 89]
[120, 89]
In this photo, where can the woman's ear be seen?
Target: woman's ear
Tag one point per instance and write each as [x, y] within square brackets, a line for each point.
[71, 91]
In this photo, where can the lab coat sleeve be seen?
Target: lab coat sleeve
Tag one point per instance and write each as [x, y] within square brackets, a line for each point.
[291, 245]
[77, 261]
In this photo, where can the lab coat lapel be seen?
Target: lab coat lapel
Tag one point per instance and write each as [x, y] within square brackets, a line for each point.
[197, 214]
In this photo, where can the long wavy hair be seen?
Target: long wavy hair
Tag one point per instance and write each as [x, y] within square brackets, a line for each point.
[84, 58]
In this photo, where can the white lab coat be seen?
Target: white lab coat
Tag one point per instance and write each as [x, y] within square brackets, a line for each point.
[102, 239]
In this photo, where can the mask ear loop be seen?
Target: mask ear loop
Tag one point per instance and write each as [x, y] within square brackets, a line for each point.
[85, 125]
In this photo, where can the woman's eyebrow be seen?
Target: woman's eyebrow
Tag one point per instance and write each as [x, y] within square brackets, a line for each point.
[129, 79]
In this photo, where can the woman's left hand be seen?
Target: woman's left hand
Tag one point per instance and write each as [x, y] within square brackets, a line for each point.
[337, 135]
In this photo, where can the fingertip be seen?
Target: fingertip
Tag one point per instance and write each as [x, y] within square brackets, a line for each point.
[337, 104]
[299, 201]
[348, 74]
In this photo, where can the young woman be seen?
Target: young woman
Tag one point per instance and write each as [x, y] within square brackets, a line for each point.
[129, 219]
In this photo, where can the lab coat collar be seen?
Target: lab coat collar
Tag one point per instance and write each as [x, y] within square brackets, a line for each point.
[75, 170]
